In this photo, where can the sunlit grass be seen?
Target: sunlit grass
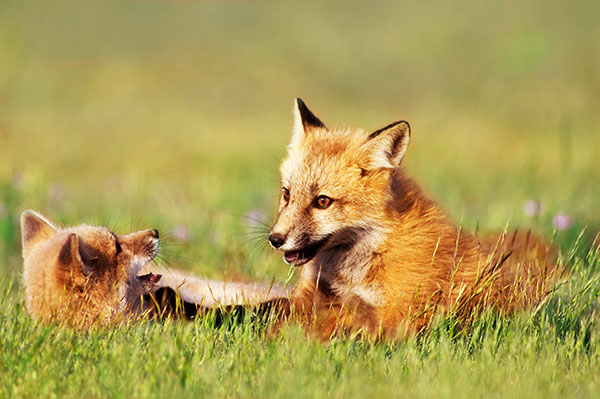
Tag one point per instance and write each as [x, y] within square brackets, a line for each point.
[175, 115]
[553, 351]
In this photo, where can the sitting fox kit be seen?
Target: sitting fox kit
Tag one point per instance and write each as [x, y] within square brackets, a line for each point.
[378, 256]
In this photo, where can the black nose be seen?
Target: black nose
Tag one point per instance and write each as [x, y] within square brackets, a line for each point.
[276, 240]
[155, 233]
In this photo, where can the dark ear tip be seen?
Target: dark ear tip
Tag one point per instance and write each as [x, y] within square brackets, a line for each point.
[401, 125]
[300, 103]
[306, 115]
[405, 123]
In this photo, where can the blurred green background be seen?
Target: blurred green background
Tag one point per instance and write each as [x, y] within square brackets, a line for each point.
[175, 115]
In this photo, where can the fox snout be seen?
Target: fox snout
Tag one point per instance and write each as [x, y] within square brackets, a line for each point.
[276, 239]
[285, 238]
[142, 243]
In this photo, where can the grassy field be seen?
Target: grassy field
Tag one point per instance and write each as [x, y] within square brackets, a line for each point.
[175, 115]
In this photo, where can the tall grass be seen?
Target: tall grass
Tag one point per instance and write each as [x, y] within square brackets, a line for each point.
[553, 351]
[175, 115]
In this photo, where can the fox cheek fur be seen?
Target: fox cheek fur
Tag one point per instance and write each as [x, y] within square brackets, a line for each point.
[142, 244]
[299, 225]
[291, 231]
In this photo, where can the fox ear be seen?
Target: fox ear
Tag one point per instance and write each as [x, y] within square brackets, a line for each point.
[304, 122]
[34, 228]
[386, 147]
[69, 255]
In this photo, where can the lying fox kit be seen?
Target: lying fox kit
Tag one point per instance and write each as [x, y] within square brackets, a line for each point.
[378, 256]
[86, 274]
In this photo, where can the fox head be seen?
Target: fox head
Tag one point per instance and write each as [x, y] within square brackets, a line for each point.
[334, 184]
[85, 274]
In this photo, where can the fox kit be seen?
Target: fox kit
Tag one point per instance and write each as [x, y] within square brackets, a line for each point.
[377, 255]
[86, 275]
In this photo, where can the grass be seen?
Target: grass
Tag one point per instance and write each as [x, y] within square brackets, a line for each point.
[175, 115]
[553, 352]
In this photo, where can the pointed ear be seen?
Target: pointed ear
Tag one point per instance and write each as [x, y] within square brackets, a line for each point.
[386, 147]
[304, 122]
[69, 255]
[34, 228]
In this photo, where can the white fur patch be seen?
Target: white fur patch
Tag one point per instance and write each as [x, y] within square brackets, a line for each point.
[369, 294]
[297, 130]
[388, 148]
[353, 266]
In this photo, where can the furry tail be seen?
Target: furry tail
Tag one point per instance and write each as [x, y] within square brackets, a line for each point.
[523, 267]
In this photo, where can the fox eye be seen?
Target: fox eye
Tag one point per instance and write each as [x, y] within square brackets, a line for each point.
[118, 246]
[285, 193]
[323, 202]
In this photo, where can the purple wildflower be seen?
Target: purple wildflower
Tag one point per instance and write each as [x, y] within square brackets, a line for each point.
[562, 221]
[181, 233]
[533, 208]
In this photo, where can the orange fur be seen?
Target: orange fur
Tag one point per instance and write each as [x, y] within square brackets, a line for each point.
[378, 257]
[84, 275]
[381, 258]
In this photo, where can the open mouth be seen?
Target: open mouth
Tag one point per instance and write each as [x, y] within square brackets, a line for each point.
[138, 263]
[149, 278]
[152, 277]
[304, 255]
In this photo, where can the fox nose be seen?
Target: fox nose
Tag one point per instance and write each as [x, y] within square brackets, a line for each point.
[154, 233]
[276, 239]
